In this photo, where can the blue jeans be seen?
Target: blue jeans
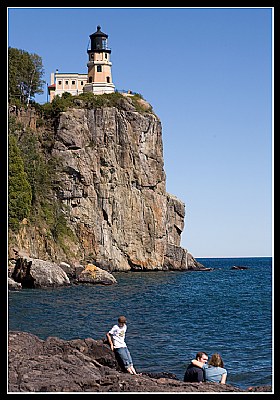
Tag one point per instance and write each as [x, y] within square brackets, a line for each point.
[125, 356]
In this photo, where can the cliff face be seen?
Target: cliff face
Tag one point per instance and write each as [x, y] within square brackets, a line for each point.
[113, 187]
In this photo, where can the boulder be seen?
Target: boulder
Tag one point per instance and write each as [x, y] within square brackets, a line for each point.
[36, 273]
[93, 274]
[13, 285]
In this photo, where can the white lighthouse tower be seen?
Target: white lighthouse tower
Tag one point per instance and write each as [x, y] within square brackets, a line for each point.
[99, 65]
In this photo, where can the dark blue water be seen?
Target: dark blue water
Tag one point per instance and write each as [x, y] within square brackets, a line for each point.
[171, 316]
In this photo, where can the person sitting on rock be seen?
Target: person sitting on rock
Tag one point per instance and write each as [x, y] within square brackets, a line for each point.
[214, 371]
[116, 338]
[194, 372]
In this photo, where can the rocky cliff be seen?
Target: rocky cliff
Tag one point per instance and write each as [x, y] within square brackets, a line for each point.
[111, 185]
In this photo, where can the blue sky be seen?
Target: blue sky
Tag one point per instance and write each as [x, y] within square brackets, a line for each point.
[207, 72]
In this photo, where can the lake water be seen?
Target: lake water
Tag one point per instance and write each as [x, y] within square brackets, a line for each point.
[171, 316]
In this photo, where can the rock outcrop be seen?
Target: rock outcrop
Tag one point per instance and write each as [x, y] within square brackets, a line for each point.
[35, 273]
[112, 186]
[93, 274]
[88, 365]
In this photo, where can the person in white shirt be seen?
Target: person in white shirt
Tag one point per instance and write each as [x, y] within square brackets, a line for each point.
[116, 338]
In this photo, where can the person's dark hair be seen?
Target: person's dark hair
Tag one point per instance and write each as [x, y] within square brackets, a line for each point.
[216, 360]
[200, 354]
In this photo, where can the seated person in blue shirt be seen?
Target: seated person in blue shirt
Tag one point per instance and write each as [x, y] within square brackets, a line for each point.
[214, 371]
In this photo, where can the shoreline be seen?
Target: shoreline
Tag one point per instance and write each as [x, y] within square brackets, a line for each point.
[89, 365]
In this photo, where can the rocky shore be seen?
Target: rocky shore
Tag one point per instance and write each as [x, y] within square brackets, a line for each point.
[27, 272]
[87, 365]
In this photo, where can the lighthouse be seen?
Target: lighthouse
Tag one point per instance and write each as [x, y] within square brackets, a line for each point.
[98, 80]
[99, 65]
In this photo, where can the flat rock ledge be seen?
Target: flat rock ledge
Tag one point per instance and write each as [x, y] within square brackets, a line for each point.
[86, 365]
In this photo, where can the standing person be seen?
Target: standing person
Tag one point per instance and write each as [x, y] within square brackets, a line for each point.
[116, 338]
[214, 371]
[194, 372]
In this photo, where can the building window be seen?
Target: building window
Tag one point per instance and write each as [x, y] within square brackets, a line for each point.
[73, 82]
[66, 82]
[59, 82]
[108, 79]
[99, 68]
[106, 55]
[82, 83]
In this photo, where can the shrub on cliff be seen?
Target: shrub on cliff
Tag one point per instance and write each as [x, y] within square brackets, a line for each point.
[89, 100]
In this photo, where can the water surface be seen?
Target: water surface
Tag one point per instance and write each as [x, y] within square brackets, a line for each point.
[171, 316]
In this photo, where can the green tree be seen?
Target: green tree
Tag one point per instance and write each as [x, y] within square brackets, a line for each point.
[20, 193]
[36, 167]
[25, 75]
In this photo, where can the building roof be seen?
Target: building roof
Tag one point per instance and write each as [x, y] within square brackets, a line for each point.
[69, 73]
[98, 33]
[51, 88]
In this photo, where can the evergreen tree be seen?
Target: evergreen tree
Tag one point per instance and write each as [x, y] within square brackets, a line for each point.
[20, 193]
[36, 168]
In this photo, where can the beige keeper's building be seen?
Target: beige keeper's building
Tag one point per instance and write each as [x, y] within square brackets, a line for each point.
[98, 80]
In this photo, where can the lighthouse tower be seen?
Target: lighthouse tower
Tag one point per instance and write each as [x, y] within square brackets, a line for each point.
[99, 65]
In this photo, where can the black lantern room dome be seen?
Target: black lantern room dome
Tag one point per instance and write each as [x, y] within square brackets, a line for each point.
[98, 32]
[98, 41]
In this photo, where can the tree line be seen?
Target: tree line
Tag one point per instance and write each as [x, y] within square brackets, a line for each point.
[25, 163]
